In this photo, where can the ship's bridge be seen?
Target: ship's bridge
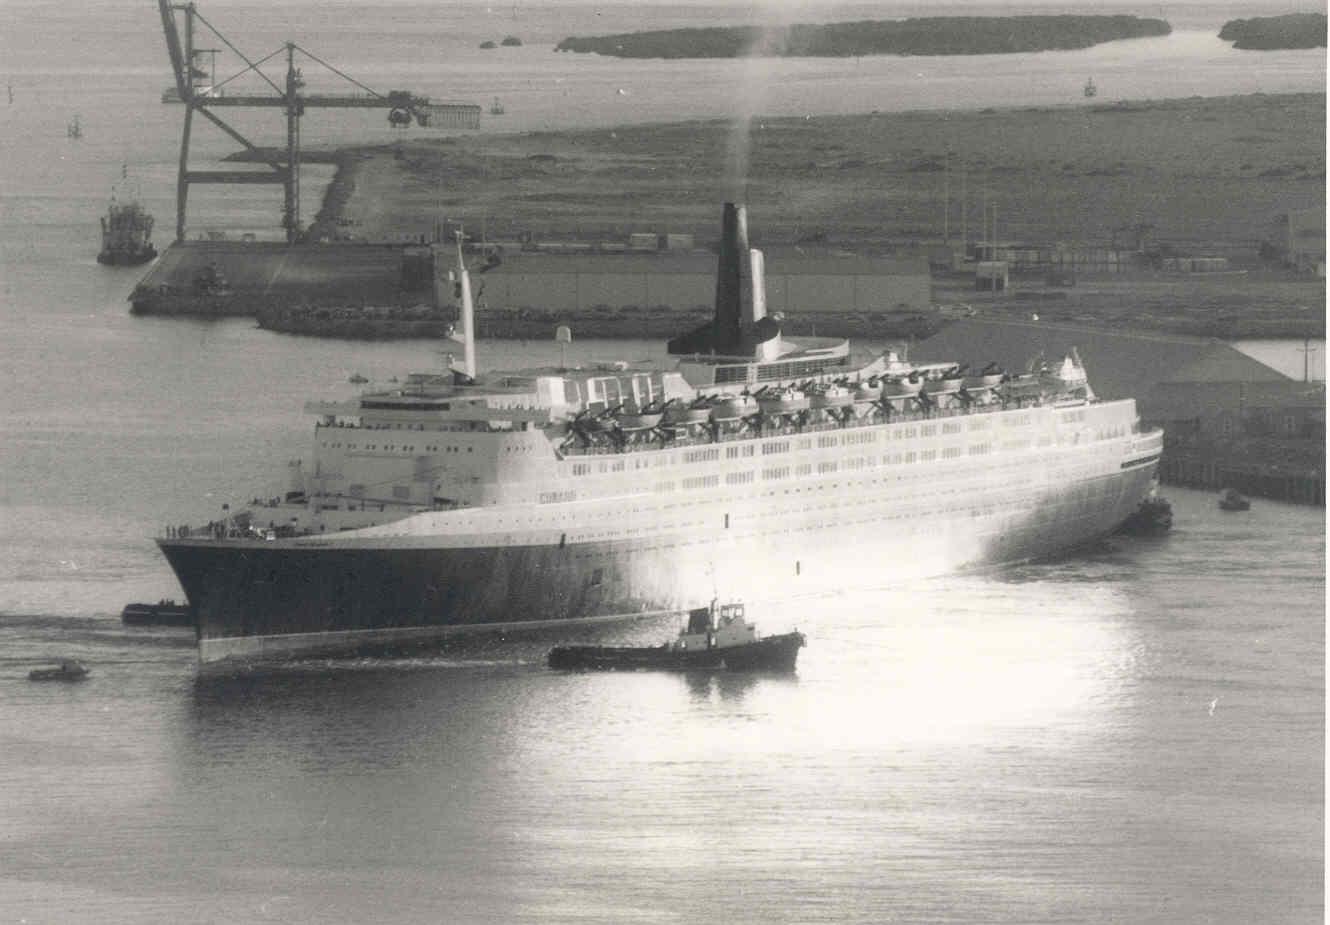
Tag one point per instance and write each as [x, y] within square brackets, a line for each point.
[811, 358]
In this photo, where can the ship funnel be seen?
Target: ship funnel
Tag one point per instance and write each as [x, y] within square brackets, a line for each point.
[740, 298]
[731, 278]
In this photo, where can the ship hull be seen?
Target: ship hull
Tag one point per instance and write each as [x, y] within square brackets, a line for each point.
[273, 599]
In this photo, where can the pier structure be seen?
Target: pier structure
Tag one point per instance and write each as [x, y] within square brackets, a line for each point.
[199, 91]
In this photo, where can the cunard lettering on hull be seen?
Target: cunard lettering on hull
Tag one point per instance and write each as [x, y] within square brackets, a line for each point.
[757, 464]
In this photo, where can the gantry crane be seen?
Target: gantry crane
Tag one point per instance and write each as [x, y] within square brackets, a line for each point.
[198, 90]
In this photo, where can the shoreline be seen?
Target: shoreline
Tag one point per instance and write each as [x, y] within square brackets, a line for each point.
[933, 35]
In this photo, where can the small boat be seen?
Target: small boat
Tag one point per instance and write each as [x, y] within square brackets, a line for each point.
[631, 418]
[68, 670]
[867, 390]
[126, 235]
[734, 408]
[777, 402]
[830, 396]
[357, 379]
[496, 108]
[679, 414]
[901, 388]
[1090, 88]
[1230, 499]
[990, 377]
[1153, 517]
[946, 384]
[716, 637]
[163, 613]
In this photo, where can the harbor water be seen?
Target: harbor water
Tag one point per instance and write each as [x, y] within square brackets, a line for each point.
[1132, 734]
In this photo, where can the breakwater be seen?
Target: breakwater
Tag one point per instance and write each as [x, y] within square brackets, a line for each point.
[934, 35]
[1258, 479]
[230, 278]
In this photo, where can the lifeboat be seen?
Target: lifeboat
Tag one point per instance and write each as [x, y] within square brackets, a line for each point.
[677, 414]
[901, 388]
[632, 419]
[782, 401]
[830, 396]
[1022, 388]
[990, 377]
[867, 390]
[949, 384]
[733, 408]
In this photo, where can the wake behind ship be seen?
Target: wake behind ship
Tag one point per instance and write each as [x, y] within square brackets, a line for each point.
[758, 465]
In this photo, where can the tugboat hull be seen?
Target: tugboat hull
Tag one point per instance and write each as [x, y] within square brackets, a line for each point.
[126, 258]
[774, 653]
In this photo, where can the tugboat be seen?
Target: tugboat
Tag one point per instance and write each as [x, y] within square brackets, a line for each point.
[1153, 518]
[715, 638]
[163, 613]
[68, 670]
[126, 235]
[1230, 499]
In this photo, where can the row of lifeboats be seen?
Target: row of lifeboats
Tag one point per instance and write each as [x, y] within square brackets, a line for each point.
[843, 399]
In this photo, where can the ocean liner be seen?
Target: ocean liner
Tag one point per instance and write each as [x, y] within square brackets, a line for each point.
[753, 465]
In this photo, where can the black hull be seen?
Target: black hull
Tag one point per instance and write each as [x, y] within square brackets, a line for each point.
[775, 653]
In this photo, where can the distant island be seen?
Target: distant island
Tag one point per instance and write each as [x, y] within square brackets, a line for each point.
[1268, 33]
[934, 35]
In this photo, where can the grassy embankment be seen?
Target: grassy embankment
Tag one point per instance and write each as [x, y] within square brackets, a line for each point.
[1209, 176]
